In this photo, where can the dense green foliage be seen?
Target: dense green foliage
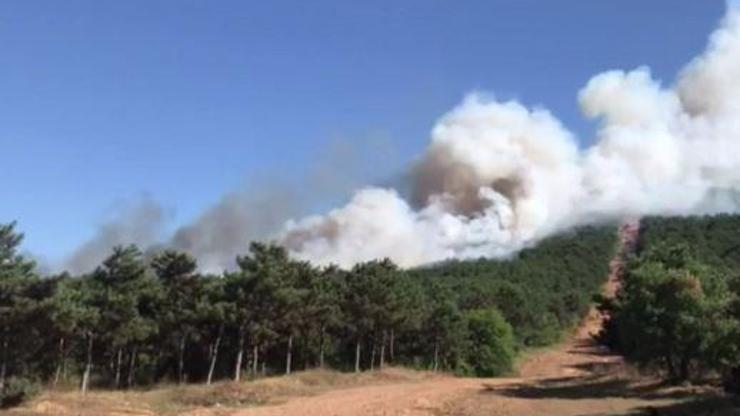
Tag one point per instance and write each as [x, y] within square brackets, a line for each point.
[711, 240]
[491, 339]
[138, 320]
[543, 291]
[678, 309]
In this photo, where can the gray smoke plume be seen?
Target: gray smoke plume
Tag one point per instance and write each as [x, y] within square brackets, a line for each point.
[252, 212]
[139, 221]
[225, 229]
[257, 210]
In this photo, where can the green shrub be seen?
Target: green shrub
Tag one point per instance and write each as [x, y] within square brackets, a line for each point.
[16, 391]
[491, 339]
[674, 314]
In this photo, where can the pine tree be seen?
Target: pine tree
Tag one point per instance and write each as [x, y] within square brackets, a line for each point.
[214, 312]
[17, 276]
[181, 288]
[127, 289]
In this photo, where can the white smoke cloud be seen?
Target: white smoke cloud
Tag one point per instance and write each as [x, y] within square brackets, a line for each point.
[497, 176]
[489, 182]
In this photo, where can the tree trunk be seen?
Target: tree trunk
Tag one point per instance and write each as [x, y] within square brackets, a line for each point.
[65, 367]
[60, 364]
[436, 356]
[119, 355]
[4, 364]
[239, 356]
[382, 350]
[181, 359]
[214, 354]
[304, 352]
[372, 356]
[393, 344]
[132, 367]
[321, 348]
[357, 356]
[684, 369]
[255, 359]
[671, 367]
[289, 354]
[88, 365]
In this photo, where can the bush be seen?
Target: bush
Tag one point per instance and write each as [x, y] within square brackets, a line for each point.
[16, 391]
[674, 314]
[732, 381]
[491, 343]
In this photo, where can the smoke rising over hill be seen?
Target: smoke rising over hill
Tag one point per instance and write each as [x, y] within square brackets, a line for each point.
[140, 221]
[498, 176]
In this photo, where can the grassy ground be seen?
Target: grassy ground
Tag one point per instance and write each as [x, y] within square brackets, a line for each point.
[599, 391]
[219, 398]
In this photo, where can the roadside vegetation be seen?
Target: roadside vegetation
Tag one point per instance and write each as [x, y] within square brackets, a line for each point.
[143, 319]
[678, 310]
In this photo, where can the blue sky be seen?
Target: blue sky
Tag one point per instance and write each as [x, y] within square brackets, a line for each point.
[101, 101]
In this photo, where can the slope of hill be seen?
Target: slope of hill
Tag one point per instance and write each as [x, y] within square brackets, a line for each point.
[713, 239]
[542, 291]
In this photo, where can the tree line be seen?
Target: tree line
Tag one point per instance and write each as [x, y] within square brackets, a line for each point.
[678, 310]
[141, 319]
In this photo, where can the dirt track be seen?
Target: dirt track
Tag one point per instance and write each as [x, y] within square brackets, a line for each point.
[575, 362]
[578, 378]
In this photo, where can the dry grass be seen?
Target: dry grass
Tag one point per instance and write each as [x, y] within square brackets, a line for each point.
[277, 389]
[216, 399]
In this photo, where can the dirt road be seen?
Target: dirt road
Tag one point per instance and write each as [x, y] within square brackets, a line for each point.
[579, 378]
[577, 361]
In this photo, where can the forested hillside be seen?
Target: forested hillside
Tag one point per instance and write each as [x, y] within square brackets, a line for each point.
[713, 240]
[678, 311]
[138, 320]
[540, 292]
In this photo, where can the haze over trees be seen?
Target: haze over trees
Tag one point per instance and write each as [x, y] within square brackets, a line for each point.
[139, 320]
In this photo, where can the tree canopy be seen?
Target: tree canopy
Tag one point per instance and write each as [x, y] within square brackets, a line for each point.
[137, 320]
[678, 308]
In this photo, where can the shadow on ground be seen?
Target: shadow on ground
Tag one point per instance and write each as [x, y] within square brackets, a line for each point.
[702, 406]
[669, 400]
[587, 388]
